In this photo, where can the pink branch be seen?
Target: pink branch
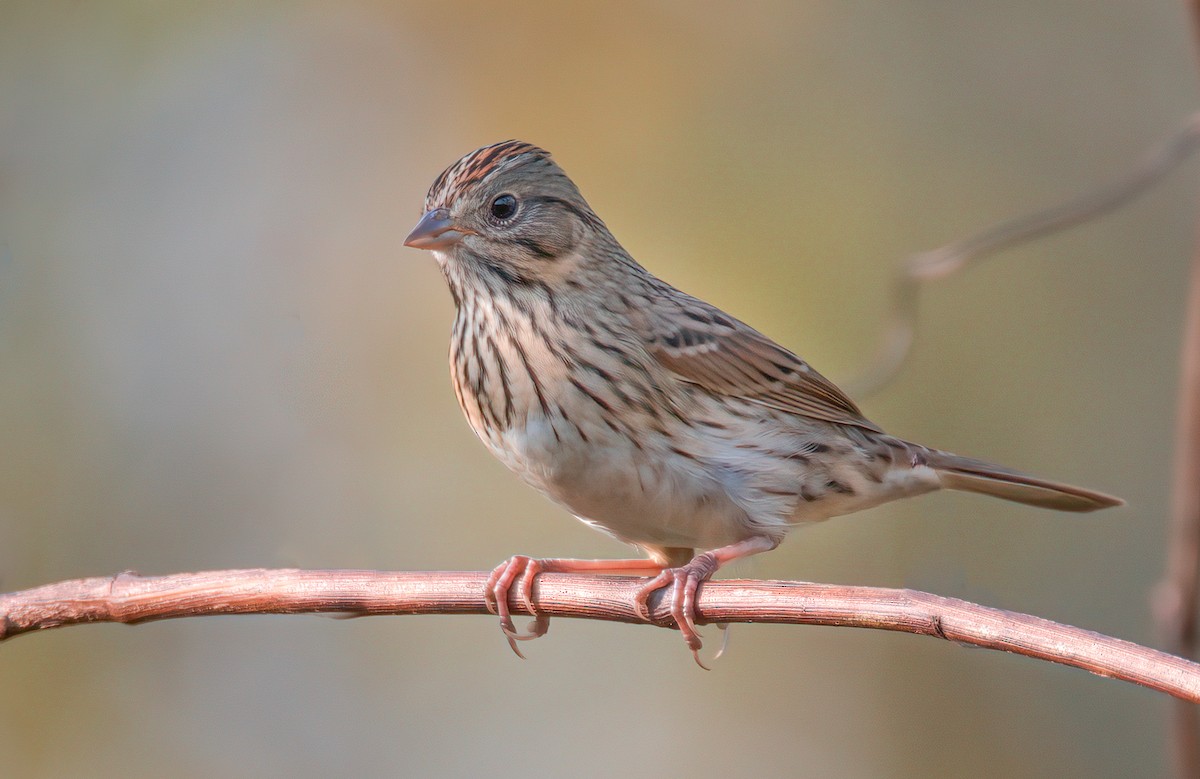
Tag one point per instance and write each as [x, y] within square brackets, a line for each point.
[129, 598]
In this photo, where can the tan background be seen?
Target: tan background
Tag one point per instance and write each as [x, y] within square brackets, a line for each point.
[214, 352]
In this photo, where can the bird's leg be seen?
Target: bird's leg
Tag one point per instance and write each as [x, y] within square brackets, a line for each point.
[686, 579]
[525, 569]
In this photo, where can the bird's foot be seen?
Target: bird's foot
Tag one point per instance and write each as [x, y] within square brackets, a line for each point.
[521, 570]
[683, 583]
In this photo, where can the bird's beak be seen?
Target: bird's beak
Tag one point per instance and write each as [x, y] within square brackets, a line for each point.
[435, 231]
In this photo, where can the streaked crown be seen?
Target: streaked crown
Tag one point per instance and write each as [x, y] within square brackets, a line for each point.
[480, 165]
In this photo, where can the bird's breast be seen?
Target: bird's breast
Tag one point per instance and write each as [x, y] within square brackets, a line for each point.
[594, 429]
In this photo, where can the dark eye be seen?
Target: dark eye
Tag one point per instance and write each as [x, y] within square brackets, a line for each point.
[503, 207]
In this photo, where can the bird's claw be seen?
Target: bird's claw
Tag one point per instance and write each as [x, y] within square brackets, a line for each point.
[522, 569]
[683, 583]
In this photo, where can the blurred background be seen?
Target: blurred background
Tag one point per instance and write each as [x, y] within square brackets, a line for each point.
[215, 353]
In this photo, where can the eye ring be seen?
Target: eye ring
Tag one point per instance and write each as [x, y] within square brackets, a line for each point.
[503, 207]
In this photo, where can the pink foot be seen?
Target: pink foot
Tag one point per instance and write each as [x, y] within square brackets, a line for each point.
[525, 569]
[500, 583]
[683, 583]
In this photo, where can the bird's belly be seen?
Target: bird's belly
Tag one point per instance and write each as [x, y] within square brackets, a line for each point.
[646, 494]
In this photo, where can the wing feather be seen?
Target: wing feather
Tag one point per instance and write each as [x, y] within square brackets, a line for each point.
[702, 345]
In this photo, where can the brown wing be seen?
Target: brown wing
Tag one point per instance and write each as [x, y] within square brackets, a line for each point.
[704, 346]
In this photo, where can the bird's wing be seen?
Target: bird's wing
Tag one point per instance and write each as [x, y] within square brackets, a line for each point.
[702, 345]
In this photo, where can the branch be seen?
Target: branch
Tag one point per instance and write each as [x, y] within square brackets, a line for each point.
[1175, 598]
[1176, 595]
[129, 598]
[919, 269]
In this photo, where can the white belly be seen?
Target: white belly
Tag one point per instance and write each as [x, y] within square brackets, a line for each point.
[652, 495]
[703, 487]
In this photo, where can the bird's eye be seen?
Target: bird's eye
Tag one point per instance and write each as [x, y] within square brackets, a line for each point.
[503, 207]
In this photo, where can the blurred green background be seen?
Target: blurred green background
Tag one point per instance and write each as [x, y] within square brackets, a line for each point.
[214, 352]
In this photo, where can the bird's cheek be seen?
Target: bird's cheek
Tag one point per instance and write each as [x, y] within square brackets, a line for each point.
[572, 237]
[562, 242]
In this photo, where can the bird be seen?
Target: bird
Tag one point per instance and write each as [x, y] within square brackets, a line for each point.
[647, 413]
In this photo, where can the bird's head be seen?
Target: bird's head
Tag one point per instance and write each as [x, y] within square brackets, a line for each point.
[508, 209]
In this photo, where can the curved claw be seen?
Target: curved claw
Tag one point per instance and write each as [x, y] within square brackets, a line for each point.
[684, 582]
[724, 626]
[496, 593]
[641, 598]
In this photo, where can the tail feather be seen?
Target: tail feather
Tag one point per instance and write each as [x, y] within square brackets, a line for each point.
[964, 473]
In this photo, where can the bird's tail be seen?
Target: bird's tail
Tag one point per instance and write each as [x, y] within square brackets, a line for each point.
[964, 473]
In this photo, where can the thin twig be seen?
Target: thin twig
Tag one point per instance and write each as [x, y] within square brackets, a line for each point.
[900, 326]
[1175, 597]
[129, 598]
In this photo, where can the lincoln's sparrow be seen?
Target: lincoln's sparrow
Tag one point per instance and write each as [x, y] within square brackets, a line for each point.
[645, 412]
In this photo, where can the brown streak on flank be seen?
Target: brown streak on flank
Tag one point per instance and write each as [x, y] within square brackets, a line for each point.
[583, 326]
[502, 370]
[614, 385]
[650, 409]
[624, 432]
[476, 419]
[533, 379]
[839, 487]
[566, 359]
[477, 355]
[480, 395]
[602, 374]
[506, 325]
[638, 368]
[582, 435]
[589, 394]
[462, 404]
[458, 344]
[605, 346]
[609, 327]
